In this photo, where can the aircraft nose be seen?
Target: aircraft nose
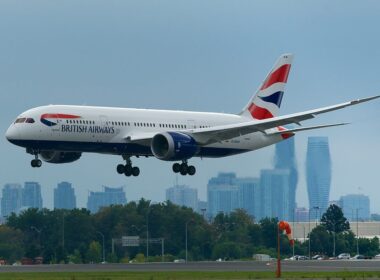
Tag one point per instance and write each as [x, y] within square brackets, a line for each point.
[11, 133]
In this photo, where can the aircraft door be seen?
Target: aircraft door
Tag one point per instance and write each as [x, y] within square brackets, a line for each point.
[191, 124]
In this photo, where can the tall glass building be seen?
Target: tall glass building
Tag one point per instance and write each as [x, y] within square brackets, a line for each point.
[274, 194]
[110, 196]
[285, 158]
[31, 195]
[318, 173]
[11, 201]
[64, 196]
[249, 195]
[355, 207]
[183, 195]
[222, 194]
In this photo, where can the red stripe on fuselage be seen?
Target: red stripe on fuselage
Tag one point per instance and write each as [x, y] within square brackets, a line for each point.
[259, 113]
[280, 75]
[59, 116]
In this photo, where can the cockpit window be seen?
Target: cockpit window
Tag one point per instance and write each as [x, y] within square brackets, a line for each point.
[24, 120]
[20, 120]
[29, 120]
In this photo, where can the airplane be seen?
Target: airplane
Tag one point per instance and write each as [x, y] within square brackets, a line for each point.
[61, 133]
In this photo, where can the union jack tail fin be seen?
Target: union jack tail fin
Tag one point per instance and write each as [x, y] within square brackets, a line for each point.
[266, 102]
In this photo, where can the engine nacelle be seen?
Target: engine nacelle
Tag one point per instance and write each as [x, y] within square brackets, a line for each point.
[59, 157]
[173, 146]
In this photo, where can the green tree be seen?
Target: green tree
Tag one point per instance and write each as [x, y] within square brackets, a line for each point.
[320, 240]
[334, 221]
[94, 252]
[11, 244]
[269, 232]
[227, 250]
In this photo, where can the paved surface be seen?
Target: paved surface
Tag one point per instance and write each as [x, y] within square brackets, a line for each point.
[357, 265]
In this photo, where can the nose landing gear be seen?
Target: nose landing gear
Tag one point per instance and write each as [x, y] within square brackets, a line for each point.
[127, 169]
[184, 168]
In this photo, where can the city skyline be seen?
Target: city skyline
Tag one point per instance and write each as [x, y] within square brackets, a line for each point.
[204, 56]
[245, 188]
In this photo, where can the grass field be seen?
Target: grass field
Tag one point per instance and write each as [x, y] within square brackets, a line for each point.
[185, 275]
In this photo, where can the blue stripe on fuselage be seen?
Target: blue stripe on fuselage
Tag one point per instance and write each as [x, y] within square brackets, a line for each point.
[115, 148]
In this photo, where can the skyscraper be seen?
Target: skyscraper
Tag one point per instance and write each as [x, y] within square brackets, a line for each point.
[183, 195]
[11, 201]
[249, 195]
[222, 194]
[110, 196]
[274, 193]
[355, 206]
[64, 196]
[285, 158]
[31, 195]
[318, 173]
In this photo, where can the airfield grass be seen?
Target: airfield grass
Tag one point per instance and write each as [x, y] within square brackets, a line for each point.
[186, 275]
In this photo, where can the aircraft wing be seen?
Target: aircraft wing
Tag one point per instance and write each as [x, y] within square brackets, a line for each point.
[206, 136]
[215, 134]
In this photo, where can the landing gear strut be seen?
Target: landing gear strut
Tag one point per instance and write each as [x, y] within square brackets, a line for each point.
[128, 169]
[36, 162]
[183, 168]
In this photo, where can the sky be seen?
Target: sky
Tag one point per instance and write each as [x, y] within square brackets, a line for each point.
[192, 55]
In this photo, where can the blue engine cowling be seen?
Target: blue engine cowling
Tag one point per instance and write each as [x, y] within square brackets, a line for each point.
[173, 146]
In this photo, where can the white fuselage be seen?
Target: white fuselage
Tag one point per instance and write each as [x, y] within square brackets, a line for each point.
[107, 130]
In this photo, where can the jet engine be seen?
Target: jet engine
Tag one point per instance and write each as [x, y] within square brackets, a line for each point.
[59, 157]
[172, 146]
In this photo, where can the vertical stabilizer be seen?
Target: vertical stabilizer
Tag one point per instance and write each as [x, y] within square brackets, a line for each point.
[266, 102]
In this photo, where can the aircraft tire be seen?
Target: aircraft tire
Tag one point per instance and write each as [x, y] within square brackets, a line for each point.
[191, 170]
[128, 170]
[176, 167]
[120, 168]
[135, 171]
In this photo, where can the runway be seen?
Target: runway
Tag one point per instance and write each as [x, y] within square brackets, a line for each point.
[304, 266]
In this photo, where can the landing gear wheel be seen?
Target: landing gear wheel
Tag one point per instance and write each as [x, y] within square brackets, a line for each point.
[120, 168]
[191, 170]
[135, 171]
[36, 163]
[183, 169]
[176, 167]
[128, 170]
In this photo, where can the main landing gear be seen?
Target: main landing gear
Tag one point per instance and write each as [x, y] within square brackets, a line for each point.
[36, 162]
[127, 169]
[183, 168]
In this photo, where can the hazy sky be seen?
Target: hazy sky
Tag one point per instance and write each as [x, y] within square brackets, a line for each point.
[192, 55]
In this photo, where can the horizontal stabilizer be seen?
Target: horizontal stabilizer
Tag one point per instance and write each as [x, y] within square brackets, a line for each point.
[307, 128]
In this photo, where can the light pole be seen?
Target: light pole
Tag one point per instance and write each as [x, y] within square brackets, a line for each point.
[147, 234]
[309, 234]
[104, 256]
[63, 231]
[315, 207]
[187, 223]
[316, 214]
[334, 240]
[357, 230]
[294, 213]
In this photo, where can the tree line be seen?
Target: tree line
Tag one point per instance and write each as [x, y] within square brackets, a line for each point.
[76, 236]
